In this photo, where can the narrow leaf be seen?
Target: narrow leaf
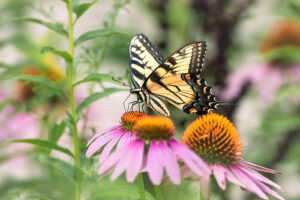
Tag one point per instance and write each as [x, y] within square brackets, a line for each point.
[96, 96]
[97, 77]
[65, 55]
[54, 27]
[69, 171]
[43, 143]
[57, 131]
[43, 81]
[80, 9]
[128, 191]
[95, 34]
[5, 102]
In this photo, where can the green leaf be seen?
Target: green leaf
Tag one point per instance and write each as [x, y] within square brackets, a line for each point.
[65, 55]
[56, 131]
[97, 77]
[128, 191]
[41, 80]
[96, 96]
[54, 27]
[95, 34]
[5, 102]
[80, 9]
[69, 171]
[42, 143]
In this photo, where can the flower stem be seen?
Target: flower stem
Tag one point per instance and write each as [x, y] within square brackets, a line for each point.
[140, 183]
[158, 193]
[72, 102]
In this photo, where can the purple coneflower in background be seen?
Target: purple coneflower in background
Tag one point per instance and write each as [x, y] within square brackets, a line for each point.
[119, 135]
[216, 140]
[281, 68]
[152, 150]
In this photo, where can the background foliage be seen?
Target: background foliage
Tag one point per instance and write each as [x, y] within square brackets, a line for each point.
[37, 124]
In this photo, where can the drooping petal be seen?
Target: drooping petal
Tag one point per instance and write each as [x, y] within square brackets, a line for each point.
[191, 159]
[102, 132]
[123, 163]
[114, 158]
[219, 173]
[269, 190]
[124, 140]
[260, 168]
[154, 164]
[259, 177]
[100, 142]
[170, 163]
[232, 178]
[136, 161]
[205, 185]
[249, 182]
[107, 149]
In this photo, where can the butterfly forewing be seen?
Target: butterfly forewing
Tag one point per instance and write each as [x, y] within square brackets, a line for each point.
[144, 58]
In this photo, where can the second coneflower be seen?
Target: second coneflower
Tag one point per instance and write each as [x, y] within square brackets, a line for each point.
[216, 140]
[118, 135]
[152, 150]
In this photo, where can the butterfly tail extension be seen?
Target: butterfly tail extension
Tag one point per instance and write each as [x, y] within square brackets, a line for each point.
[205, 101]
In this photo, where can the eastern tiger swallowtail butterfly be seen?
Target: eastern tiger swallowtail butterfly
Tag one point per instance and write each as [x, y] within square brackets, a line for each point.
[176, 79]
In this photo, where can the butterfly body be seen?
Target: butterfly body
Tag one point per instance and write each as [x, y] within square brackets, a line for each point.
[175, 79]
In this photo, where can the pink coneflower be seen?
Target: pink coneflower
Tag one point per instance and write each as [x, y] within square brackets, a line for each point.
[152, 150]
[109, 137]
[216, 140]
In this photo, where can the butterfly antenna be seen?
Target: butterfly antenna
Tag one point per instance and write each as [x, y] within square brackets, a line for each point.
[124, 84]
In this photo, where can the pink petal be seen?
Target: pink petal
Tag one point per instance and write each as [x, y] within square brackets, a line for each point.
[107, 149]
[102, 132]
[115, 157]
[122, 164]
[124, 140]
[170, 163]
[136, 162]
[260, 177]
[219, 173]
[269, 191]
[154, 163]
[191, 159]
[232, 178]
[100, 142]
[205, 185]
[260, 168]
[249, 182]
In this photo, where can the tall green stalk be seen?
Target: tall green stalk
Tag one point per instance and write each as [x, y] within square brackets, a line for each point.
[72, 101]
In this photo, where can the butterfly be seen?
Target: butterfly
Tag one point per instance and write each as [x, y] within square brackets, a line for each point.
[176, 79]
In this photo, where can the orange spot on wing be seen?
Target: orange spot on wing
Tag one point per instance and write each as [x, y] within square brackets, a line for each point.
[187, 76]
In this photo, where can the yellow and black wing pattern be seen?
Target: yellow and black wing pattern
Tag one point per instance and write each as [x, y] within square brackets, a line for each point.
[176, 79]
[143, 59]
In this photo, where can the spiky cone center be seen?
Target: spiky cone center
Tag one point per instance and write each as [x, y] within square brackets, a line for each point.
[152, 127]
[215, 139]
[128, 119]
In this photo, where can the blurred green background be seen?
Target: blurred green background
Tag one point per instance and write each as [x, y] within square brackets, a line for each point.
[252, 63]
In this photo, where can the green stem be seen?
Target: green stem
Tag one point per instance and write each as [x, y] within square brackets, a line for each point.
[141, 188]
[72, 101]
[158, 193]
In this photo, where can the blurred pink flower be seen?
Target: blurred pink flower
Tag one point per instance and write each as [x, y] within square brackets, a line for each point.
[266, 78]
